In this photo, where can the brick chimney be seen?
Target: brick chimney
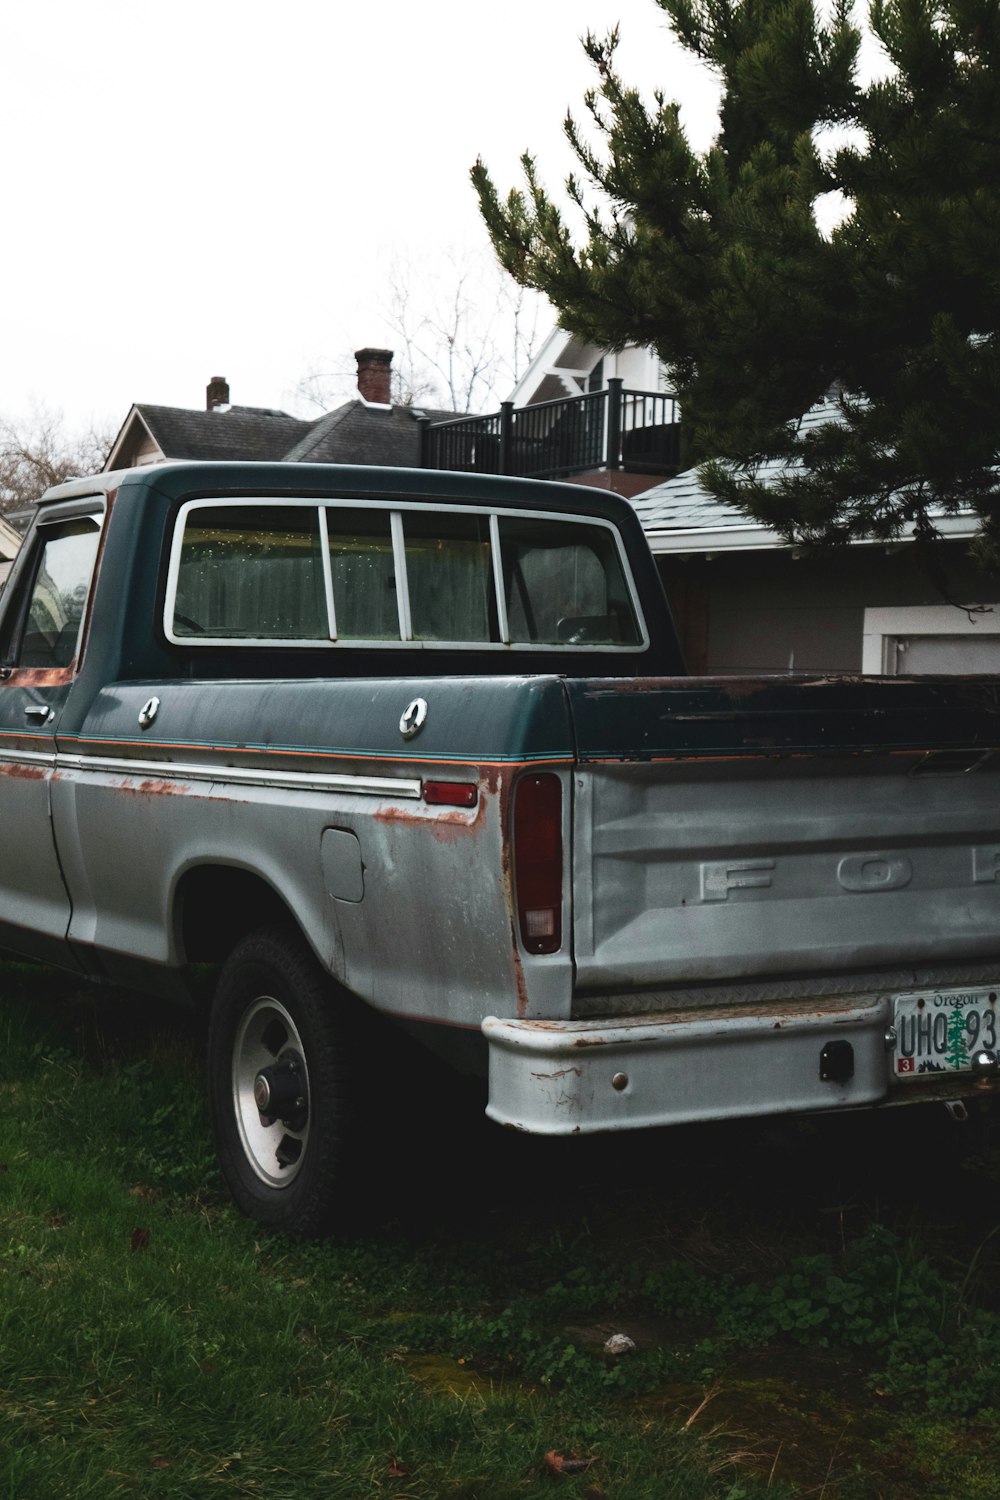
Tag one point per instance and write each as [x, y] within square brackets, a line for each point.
[374, 367]
[216, 393]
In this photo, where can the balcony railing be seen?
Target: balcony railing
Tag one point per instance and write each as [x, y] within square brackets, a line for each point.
[637, 431]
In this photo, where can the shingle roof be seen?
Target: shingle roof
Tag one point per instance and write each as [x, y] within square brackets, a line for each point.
[356, 433]
[682, 508]
[679, 515]
[361, 434]
[241, 432]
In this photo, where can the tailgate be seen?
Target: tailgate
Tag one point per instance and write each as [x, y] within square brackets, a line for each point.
[731, 832]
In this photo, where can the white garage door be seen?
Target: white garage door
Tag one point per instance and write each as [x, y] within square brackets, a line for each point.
[932, 638]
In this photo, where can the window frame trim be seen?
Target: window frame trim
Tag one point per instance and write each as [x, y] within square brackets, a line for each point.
[397, 508]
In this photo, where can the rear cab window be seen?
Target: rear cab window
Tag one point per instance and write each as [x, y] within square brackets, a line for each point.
[325, 573]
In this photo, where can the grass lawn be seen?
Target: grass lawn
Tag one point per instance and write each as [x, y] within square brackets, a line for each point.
[813, 1308]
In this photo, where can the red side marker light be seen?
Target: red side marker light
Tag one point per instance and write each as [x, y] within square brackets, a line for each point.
[451, 793]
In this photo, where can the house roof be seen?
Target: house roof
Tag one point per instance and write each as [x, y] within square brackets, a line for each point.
[359, 432]
[10, 541]
[252, 432]
[559, 352]
[680, 515]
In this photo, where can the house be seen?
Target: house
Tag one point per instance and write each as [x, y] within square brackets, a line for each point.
[10, 541]
[743, 600]
[368, 429]
[746, 601]
[577, 413]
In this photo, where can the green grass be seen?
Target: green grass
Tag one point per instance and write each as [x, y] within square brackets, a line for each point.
[798, 1332]
[153, 1344]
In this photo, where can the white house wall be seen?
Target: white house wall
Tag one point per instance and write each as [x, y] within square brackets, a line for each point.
[564, 363]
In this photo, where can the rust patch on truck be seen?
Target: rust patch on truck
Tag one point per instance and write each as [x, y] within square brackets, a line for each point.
[22, 772]
[624, 687]
[494, 781]
[150, 787]
[446, 827]
[161, 788]
[499, 781]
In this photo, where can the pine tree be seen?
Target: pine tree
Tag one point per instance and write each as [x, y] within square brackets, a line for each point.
[957, 1054]
[716, 259]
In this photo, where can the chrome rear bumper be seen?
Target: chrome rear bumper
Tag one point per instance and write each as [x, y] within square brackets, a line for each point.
[575, 1077]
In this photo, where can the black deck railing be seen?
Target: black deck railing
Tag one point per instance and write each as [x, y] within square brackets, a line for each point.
[637, 431]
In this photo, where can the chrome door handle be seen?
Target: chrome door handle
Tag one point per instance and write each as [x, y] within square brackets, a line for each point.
[39, 713]
[148, 712]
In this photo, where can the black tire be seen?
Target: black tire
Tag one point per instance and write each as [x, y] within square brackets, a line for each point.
[276, 1011]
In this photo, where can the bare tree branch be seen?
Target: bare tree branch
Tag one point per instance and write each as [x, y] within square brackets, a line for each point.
[461, 335]
[38, 451]
[468, 333]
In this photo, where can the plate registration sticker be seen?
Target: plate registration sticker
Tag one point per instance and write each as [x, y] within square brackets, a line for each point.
[941, 1031]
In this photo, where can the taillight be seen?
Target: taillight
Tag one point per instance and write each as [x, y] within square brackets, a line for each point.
[538, 861]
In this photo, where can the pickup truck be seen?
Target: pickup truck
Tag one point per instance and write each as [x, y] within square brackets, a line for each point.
[365, 743]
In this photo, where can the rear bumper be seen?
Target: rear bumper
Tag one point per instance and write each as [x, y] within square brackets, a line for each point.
[575, 1077]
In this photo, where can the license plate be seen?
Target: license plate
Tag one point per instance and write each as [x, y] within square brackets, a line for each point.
[941, 1031]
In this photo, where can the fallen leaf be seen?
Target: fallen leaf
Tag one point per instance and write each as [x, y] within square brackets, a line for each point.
[559, 1463]
[161, 1463]
[140, 1239]
[397, 1470]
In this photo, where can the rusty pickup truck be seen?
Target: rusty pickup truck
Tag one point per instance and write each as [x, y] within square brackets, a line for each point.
[374, 742]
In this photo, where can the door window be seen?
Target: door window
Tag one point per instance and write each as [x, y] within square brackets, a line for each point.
[58, 597]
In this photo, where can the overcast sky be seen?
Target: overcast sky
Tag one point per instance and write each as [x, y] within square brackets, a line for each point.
[220, 187]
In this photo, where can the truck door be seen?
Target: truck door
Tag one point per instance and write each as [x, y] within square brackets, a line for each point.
[41, 631]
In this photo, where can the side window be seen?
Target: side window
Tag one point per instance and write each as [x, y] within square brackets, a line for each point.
[564, 584]
[57, 599]
[251, 573]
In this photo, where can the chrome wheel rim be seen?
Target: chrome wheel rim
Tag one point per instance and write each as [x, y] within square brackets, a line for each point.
[274, 1145]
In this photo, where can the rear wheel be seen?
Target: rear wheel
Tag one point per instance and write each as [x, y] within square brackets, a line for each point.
[280, 1071]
